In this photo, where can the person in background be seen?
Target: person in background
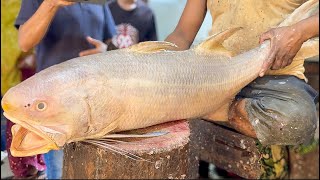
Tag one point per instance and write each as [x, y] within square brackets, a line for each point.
[135, 22]
[13, 61]
[61, 30]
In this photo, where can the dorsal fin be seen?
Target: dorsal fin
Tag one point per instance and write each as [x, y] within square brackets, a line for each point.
[153, 46]
[214, 43]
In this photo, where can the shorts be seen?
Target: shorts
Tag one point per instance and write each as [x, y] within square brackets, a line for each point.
[281, 109]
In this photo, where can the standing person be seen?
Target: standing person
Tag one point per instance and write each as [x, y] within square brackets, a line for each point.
[281, 115]
[61, 30]
[135, 22]
[12, 59]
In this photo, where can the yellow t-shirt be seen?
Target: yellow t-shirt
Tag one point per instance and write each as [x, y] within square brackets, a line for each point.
[10, 52]
[256, 17]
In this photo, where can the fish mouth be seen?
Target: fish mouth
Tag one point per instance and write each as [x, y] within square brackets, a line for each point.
[29, 140]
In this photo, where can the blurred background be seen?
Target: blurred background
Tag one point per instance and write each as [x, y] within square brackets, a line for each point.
[168, 12]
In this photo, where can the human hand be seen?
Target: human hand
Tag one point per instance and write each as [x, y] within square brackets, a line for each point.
[27, 62]
[99, 47]
[59, 3]
[285, 42]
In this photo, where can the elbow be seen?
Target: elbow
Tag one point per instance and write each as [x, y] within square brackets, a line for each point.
[24, 47]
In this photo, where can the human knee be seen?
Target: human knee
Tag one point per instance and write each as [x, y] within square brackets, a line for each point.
[239, 120]
[288, 122]
[303, 122]
[297, 123]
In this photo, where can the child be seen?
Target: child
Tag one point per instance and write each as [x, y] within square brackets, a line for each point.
[135, 22]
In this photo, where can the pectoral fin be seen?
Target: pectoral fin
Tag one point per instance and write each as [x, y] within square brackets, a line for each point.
[95, 123]
[153, 46]
[214, 43]
[148, 135]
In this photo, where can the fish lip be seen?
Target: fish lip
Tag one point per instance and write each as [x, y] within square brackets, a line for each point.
[30, 128]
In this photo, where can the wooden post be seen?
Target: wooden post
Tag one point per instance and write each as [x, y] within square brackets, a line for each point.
[312, 72]
[171, 154]
[227, 149]
[304, 166]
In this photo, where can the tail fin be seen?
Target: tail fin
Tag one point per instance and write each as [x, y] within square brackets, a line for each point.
[311, 47]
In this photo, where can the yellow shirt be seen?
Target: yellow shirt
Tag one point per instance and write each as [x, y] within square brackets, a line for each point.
[10, 74]
[256, 17]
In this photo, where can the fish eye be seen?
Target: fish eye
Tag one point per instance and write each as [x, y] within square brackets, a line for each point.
[41, 106]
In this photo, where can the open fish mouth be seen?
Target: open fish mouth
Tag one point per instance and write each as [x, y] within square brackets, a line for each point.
[29, 140]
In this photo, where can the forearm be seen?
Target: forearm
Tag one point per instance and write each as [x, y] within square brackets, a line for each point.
[179, 39]
[286, 42]
[32, 32]
[189, 24]
[309, 27]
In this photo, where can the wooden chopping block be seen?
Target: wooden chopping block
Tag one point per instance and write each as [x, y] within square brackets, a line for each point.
[170, 156]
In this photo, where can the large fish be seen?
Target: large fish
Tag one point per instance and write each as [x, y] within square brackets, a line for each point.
[146, 84]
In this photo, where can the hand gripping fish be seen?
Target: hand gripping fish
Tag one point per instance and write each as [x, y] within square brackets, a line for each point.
[149, 83]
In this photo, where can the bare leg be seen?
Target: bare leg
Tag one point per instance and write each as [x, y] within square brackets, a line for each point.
[239, 120]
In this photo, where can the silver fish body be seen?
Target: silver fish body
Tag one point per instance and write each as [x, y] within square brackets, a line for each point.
[123, 89]
[149, 89]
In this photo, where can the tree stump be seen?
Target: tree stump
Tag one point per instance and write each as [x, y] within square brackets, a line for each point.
[171, 156]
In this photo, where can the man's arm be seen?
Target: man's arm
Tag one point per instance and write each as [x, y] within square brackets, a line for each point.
[32, 32]
[189, 24]
[287, 41]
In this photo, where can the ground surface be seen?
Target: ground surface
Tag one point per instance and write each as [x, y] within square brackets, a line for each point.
[5, 169]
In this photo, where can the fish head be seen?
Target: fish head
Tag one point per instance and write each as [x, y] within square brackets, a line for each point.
[44, 112]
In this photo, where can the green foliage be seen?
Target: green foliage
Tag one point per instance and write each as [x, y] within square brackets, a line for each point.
[273, 161]
[305, 149]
